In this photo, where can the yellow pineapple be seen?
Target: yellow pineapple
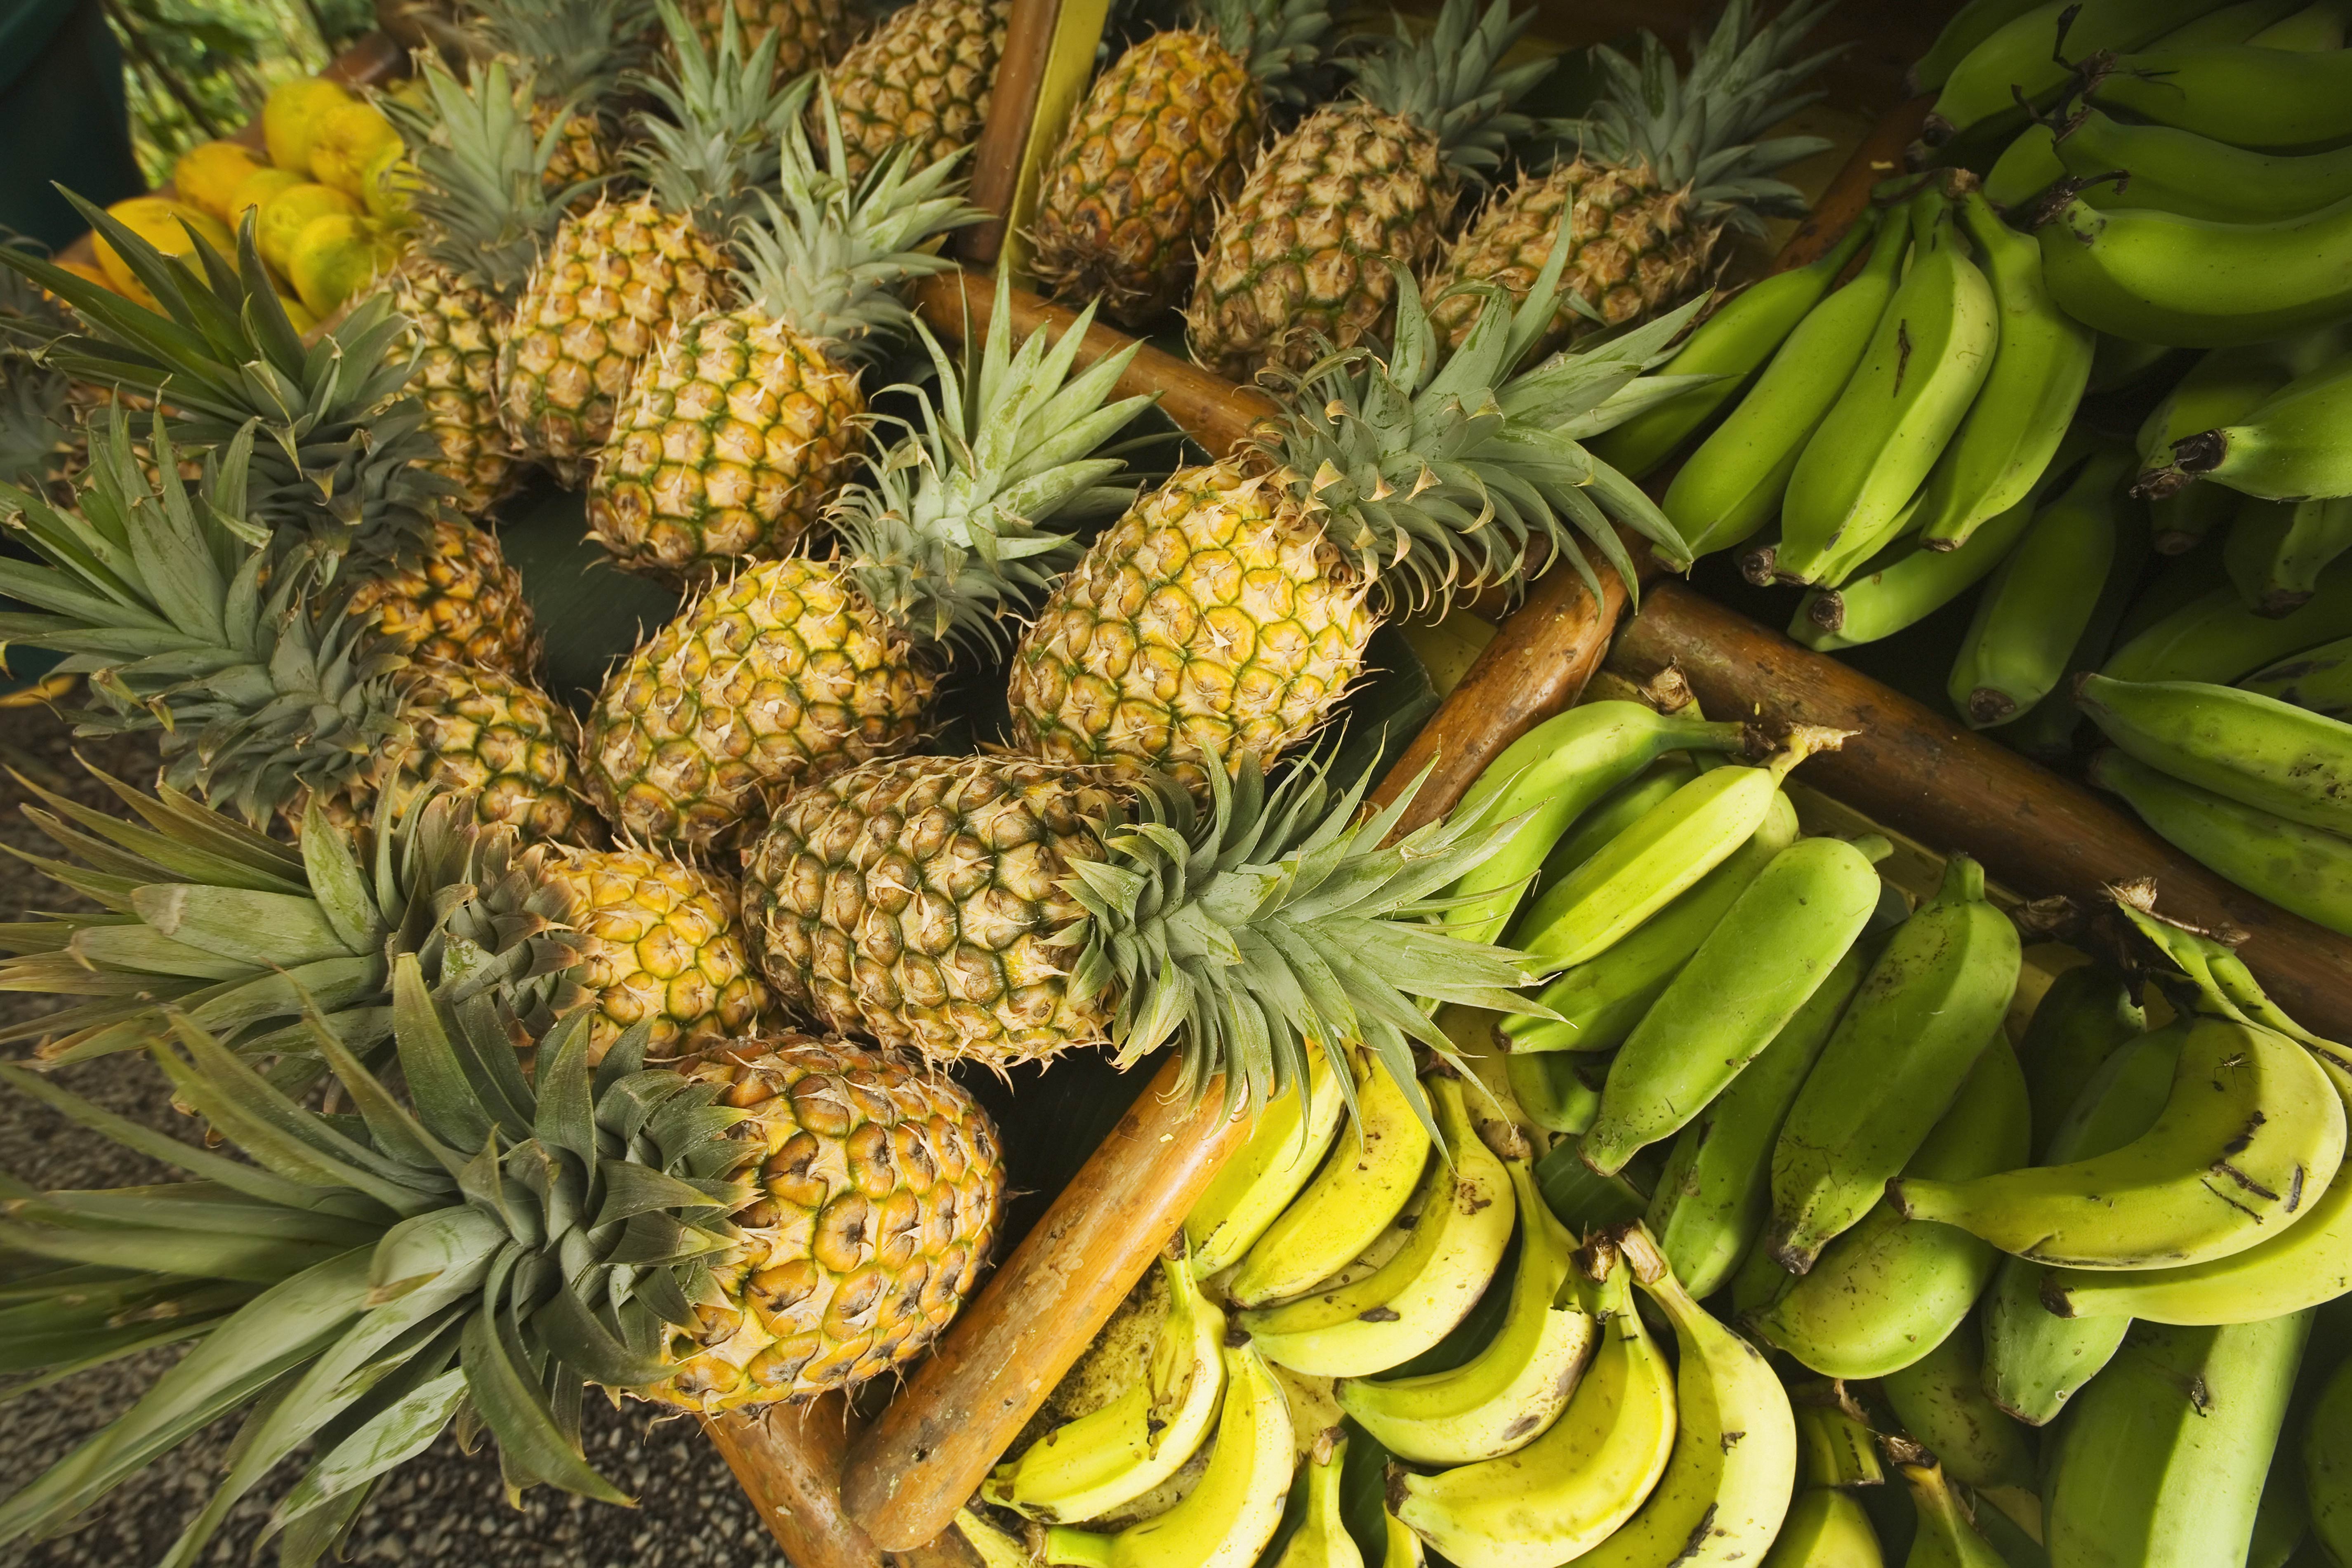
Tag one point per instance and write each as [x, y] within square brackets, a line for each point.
[574, 53]
[661, 946]
[923, 77]
[810, 33]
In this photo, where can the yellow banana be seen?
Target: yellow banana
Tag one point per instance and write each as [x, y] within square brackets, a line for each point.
[1826, 1528]
[1356, 1328]
[994, 1548]
[1321, 1540]
[1402, 1549]
[1257, 1184]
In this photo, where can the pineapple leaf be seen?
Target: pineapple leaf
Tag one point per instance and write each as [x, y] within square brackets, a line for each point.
[505, 1387]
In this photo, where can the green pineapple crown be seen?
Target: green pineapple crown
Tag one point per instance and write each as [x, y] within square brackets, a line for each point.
[1279, 40]
[1700, 131]
[723, 134]
[479, 168]
[477, 1251]
[1453, 83]
[36, 417]
[945, 538]
[577, 50]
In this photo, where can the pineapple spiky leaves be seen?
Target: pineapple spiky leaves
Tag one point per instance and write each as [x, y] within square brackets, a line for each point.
[577, 53]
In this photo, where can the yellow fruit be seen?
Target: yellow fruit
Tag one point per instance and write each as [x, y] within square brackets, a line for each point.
[347, 139]
[385, 184]
[334, 258]
[208, 176]
[164, 224]
[291, 117]
[285, 216]
[298, 313]
[84, 269]
[254, 192]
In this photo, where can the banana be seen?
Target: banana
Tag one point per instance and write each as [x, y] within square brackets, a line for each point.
[1835, 1445]
[1931, 1004]
[1560, 1090]
[2084, 1017]
[2277, 550]
[2304, 870]
[2287, 448]
[1755, 971]
[1292, 1133]
[1509, 1393]
[1889, 1290]
[2027, 167]
[2318, 679]
[992, 1547]
[1588, 1473]
[1947, 1537]
[2328, 1465]
[1403, 1548]
[2181, 171]
[1717, 1188]
[1359, 1327]
[1940, 1400]
[2215, 638]
[1825, 1529]
[2048, 731]
[2162, 1458]
[1107, 1458]
[1734, 1467]
[1361, 1188]
[2227, 384]
[2319, 26]
[1732, 344]
[2257, 750]
[2273, 101]
[1673, 844]
[2250, 1136]
[2038, 367]
[1619, 810]
[1732, 485]
[1598, 1003]
[1969, 26]
[1930, 352]
[2282, 1519]
[1321, 1540]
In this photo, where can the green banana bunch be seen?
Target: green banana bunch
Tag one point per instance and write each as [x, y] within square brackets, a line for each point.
[2289, 447]
[2257, 750]
[1931, 1004]
[1363, 1186]
[1510, 1392]
[1321, 1540]
[2277, 101]
[1292, 1133]
[1755, 971]
[1947, 1537]
[1930, 352]
[2250, 1136]
[2227, 384]
[2048, 730]
[1596, 1003]
[1732, 344]
[2087, 1013]
[1826, 1528]
[2305, 870]
[2196, 176]
[1890, 1290]
[1617, 811]
[1559, 1091]
[2276, 549]
[1941, 1401]
[2320, 679]
[1107, 1458]
[2328, 1465]
[2162, 1458]
[2026, 168]
[1716, 1191]
[1588, 1472]
[2215, 638]
[2041, 362]
[1733, 483]
[1361, 1327]
[1969, 26]
[1231, 1513]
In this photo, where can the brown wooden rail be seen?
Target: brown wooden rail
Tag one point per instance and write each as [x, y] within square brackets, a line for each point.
[1012, 110]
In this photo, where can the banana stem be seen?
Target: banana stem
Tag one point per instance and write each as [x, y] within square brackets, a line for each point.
[1804, 740]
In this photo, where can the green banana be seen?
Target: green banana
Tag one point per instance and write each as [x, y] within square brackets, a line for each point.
[2158, 276]
[2273, 101]
[1560, 1090]
[2215, 638]
[2121, 362]
[2282, 1518]
[1107, 1458]
[1836, 1448]
[2250, 1136]
[2257, 750]
[2040, 366]
[1292, 1131]
[2318, 679]
[1597, 1003]
[2305, 870]
[2319, 26]
[1231, 1513]
[1771, 950]
[1969, 28]
[2027, 167]
[2227, 384]
[2048, 730]
[2087, 1013]
[1716, 1191]
[1583, 1201]
[1825, 1529]
[2162, 1458]
[1583, 1478]
[1941, 1401]
[1732, 344]
[1932, 350]
[1617, 811]
[1321, 1540]
[1354, 1328]
[2196, 176]
[2328, 1465]
[2287, 448]
[1889, 1290]
[1361, 1188]
[2038, 605]
[1732, 485]
[1510, 1392]
[1946, 1536]
[1931, 1004]
[2276, 549]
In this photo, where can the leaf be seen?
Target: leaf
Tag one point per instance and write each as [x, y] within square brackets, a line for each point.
[577, 1336]
[457, 1240]
[445, 1099]
[271, 929]
[515, 1408]
[155, 1146]
[389, 1439]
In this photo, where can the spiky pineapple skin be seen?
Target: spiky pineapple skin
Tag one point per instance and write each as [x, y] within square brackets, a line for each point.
[584, 150]
[879, 1192]
[726, 449]
[457, 601]
[812, 32]
[925, 75]
[454, 329]
[1162, 139]
[777, 677]
[1303, 251]
[1632, 248]
[1211, 622]
[616, 279]
[917, 901]
[663, 946]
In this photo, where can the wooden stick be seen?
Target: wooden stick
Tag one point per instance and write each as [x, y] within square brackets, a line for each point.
[1923, 774]
[788, 1458]
[1012, 109]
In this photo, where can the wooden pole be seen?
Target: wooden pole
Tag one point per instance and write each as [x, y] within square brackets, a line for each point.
[1012, 109]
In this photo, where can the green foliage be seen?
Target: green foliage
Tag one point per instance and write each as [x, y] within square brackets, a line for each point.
[196, 69]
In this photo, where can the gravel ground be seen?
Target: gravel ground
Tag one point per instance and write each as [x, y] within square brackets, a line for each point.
[444, 1508]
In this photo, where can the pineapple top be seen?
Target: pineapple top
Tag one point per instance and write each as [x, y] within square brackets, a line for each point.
[576, 50]
[1279, 40]
[479, 168]
[36, 418]
[722, 136]
[1452, 82]
[1698, 131]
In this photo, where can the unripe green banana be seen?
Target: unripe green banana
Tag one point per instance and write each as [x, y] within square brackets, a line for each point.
[2320, 679]
[1599, 1003]
[1288, 1142]
[1321, 1540]
[1929, 1007]
[2282, 1519]
[2161, 1461]
[2227, 384]
[1773, 948]
[1969, 26]
[1619, 810]
[2181, 171]
[2277, 550]
[1559, 1090]
[2086, 1016]
[2275, 100]
[1732, 485]
[2120, 362]
[2257, 750]
[1583, 1201]
[2160, 278]
[1931, 351]
[1947, 1537]
[2328, 1465]
[2305, 870]
[2026, 168]
[2037, 606]
[2215, 638]
[2250, 1136]
[1825, 1529]
[2180, 521]
[2320, 26]
[1888, 1291]
[2288, 448]
[1835, 1446]
[1715, 1192]
[2040, 366]
[1732, 344]
[1941, 1401]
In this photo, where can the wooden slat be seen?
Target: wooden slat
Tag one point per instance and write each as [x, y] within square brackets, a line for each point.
[995, 164]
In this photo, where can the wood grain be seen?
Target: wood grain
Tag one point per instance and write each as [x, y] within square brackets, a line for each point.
[995, 164]
[1879, 157]
[788, 1458]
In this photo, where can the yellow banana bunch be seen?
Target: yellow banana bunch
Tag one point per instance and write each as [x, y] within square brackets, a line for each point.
[1279, 1158]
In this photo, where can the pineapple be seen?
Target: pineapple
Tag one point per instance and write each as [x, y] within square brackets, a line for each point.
[810, 33]
[1220, 620]
[662, 945]
[574, 54]
[923, 77]
[793, 669]
[1164, 138]
[619, 275]
[770, 1221]
[455, 600]
[743, 423]
[1302, 257]
[1655, 175]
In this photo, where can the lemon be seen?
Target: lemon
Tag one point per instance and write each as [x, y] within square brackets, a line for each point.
[334, 258]
[256, 190]
[291, 116]
[347, 139]
[159, 221]
[286, 213]
[207, 175]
